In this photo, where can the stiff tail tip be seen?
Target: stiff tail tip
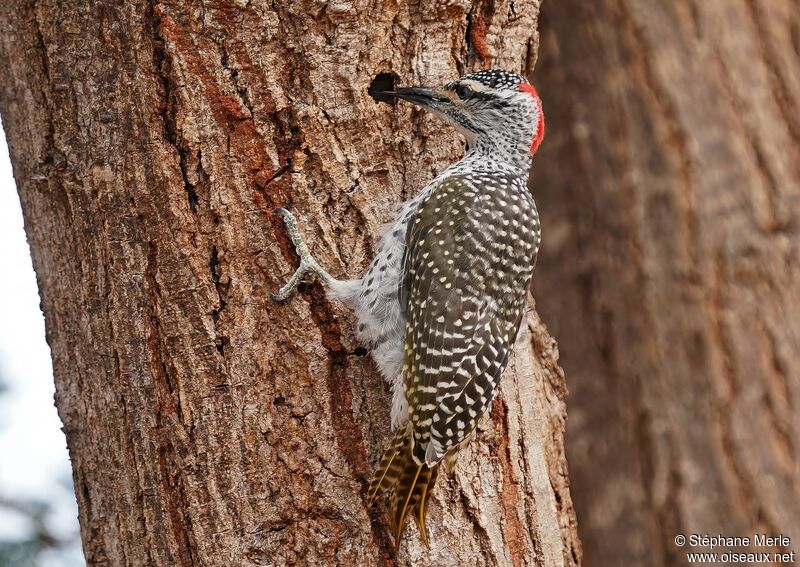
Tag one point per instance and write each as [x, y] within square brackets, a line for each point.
[409, 483]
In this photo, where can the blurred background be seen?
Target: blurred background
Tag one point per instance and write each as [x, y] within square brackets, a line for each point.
[38, 513]
[668, 185]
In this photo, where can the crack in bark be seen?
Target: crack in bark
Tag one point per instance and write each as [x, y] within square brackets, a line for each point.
[241, 89]
[214, 268]
[510, 500]
[50, 141]
[167, 414]
[263, 182]
[479, 21]
[188, 186]
[163, 67]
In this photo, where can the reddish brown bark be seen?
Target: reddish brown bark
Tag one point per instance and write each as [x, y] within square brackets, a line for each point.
[207, 424]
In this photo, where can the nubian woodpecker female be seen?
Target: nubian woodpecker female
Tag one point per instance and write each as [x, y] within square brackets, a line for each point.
[442, 302]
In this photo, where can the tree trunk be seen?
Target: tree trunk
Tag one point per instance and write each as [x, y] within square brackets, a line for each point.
[670, 194]
[208, 425]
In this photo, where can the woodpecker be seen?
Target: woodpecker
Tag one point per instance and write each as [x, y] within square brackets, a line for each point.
[442, 302]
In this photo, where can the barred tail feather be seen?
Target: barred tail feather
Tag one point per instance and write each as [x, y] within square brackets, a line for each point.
[390, 467]
[411, 484]
[422, 506]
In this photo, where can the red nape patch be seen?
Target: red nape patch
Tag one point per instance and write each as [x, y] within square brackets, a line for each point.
[530, 89]
[539, 135]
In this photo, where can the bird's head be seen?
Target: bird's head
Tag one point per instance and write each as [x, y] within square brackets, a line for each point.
[496, 110]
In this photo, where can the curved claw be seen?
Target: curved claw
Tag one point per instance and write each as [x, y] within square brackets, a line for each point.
[287, 290]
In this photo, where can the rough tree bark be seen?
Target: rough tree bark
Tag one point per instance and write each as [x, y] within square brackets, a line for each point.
[670, 193]
[206, 424]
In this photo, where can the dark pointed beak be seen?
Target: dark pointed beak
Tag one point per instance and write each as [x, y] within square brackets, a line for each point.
[418, 95]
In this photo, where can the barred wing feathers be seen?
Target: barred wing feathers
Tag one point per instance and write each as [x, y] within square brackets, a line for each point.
[468, 263]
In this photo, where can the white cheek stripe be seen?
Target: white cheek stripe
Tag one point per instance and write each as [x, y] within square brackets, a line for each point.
[475, 85]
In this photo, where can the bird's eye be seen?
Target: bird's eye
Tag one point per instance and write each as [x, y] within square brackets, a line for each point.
[463, 91]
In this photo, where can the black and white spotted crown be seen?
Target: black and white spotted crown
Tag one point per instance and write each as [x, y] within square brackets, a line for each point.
[497, 78]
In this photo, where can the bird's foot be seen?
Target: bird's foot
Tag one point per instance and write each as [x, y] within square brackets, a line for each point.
[307, 262]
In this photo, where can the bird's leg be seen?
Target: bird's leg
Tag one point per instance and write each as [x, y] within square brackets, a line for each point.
[307, 261]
